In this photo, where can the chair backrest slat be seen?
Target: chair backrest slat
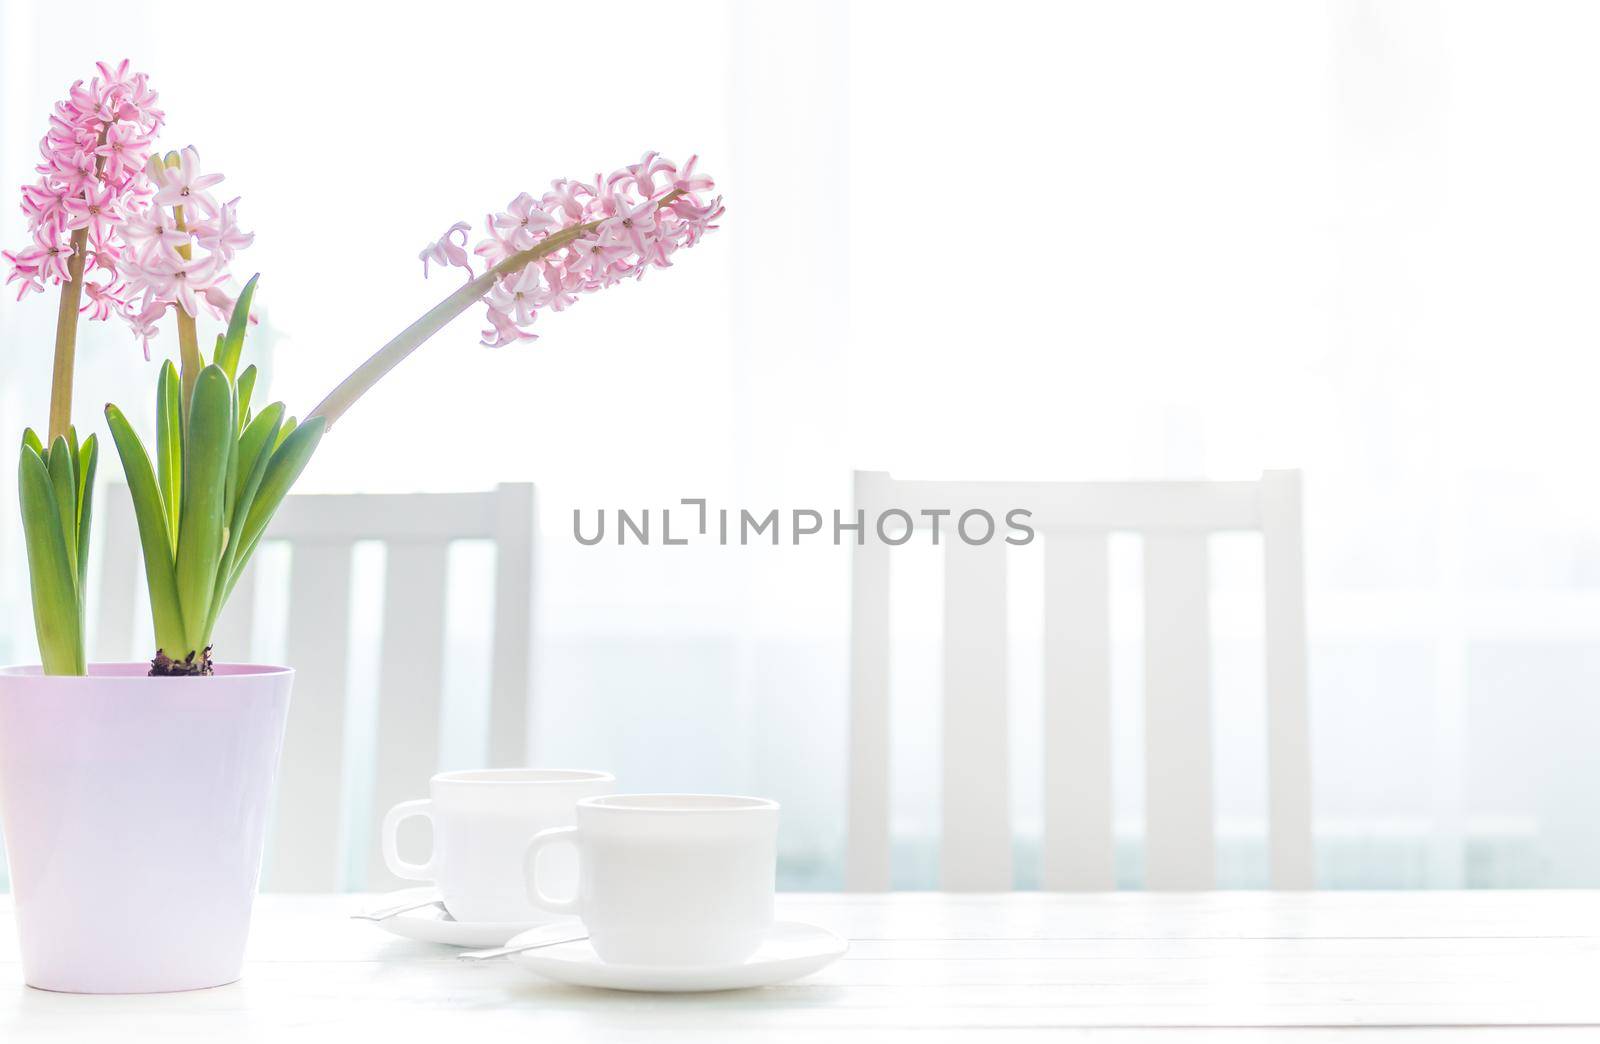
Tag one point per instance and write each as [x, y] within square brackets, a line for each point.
[513, 626]
[1288, 709]
[410, 683]
[867, 859]
[1078, 851]
[306, 831]
[1179, 846]
[1175, 521]
[975, 853]
[121, 579]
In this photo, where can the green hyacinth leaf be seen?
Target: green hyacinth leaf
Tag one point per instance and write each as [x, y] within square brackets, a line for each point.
[30, 439]
[64, 481]
[230, 345]
[256, 444]
[151, 515]
[169, 445]
[57, 618]
[288, 460]
[284, 432]
[88, 462]
[72, 453]
[247, 386]
[254, 454]
[230, 480]
[202, 521]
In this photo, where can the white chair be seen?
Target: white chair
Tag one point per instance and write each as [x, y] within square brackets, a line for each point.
[1074, 520]
[321, 531]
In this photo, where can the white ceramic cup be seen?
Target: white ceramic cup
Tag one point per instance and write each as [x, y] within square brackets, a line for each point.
[481, 824]
[680, 879]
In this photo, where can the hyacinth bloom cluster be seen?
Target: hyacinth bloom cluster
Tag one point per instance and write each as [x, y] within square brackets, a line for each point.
[578, 237]
[124, 232]
[90, 176]
[183, 241]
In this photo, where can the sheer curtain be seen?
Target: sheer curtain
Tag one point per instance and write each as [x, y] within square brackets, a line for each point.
[1085, 240]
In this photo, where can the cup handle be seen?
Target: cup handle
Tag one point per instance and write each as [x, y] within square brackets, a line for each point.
[530, 868]
[391, 847]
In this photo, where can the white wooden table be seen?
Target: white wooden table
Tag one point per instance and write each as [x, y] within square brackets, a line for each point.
[1132, 966]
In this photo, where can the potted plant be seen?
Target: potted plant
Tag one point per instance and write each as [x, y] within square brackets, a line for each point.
[134, 796]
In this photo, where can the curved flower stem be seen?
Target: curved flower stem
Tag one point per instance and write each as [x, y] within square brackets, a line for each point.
[67, 339]
[439, 316]
[67, 325]
[188, 357]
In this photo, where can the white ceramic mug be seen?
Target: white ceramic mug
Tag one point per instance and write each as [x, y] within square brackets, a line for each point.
[481, 824]
[680, 879]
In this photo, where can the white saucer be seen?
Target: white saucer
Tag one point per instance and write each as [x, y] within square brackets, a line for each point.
[432, 924]
[791, 950]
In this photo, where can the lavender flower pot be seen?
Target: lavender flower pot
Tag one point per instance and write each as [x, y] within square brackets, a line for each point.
[133, 812]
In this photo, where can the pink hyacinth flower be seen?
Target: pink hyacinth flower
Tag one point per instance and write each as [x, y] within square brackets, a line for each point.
[447, 251]
[124, 150]
[632, 224]
[184, 186]
[220, 233]
[102, 300]
[517, 295]
[95, 210]
[183, 282]
[522, 222]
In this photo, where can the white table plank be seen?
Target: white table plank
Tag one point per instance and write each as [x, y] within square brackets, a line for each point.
[1140, 967]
